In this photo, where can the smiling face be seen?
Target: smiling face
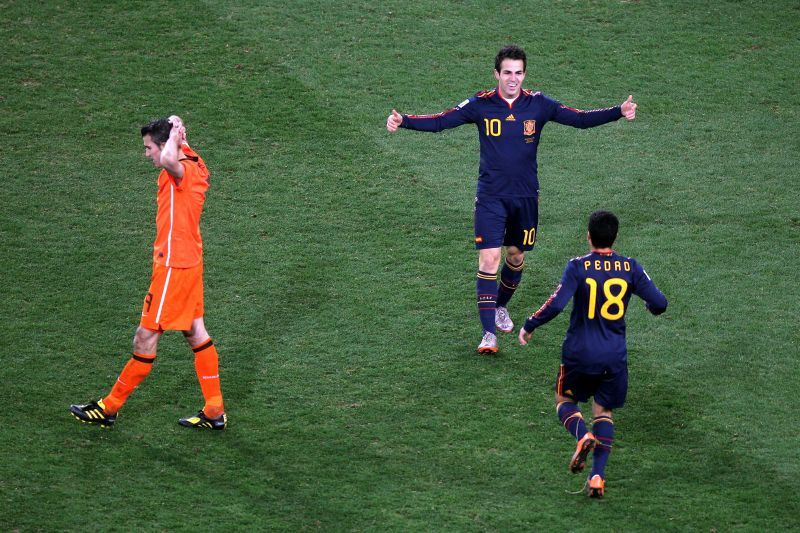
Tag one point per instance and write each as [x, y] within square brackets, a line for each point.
[509, 78]
[152, 151]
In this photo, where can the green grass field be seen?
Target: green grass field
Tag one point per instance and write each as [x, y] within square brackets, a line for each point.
[340, 266]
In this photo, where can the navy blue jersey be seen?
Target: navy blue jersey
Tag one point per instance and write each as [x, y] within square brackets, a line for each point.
[509, 135]
[601, 285]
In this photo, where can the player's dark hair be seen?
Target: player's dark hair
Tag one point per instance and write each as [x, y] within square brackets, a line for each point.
[158, 130]
[512, 51]
[603, 228]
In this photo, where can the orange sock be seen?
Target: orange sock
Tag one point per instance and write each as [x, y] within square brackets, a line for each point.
[134, 372]
[206, 363]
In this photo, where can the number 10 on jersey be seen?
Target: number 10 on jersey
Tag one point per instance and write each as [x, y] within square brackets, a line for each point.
[493, 127]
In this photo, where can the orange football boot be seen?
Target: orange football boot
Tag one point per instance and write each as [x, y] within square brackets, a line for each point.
[582, 450]
[597, 487]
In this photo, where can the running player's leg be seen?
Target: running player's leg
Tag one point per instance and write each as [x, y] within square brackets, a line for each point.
[603, 429]
[486, 290]
[520, 237]
[145, 344]
[145, 341]
[490, 216]
[610, 394]
[486, 286]
[510, 276]
[206, 363]
[104, 412]
[206, 358]
[572, 387]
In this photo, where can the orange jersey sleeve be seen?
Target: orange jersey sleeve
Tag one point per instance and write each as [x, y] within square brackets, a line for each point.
[178, 241]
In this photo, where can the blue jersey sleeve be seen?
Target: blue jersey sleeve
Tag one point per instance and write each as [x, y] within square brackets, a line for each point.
[644, 288]
[579, 118]
[452, 118]
[557, 301]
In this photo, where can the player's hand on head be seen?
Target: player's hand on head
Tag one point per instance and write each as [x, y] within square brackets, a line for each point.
[179, 134]
[628, 108]
[178, 128]
[393, 121]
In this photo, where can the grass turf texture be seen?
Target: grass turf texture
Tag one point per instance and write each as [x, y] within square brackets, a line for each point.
[340, 269]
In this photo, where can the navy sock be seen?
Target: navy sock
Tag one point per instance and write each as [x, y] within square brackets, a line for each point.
[510, 277]
[603, 430]
[572, 419]
[486, 288]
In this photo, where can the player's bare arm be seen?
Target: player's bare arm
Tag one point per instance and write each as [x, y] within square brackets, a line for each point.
[628, 108]
[394, 121]
[170, 155]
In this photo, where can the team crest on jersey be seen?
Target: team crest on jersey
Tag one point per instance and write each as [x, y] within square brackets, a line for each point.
[529, 127]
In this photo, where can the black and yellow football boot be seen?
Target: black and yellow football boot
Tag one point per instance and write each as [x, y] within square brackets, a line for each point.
[93, 413]
[201, 421]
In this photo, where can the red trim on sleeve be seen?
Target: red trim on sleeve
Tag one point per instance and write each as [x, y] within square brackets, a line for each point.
[548, 302]
[435, 115]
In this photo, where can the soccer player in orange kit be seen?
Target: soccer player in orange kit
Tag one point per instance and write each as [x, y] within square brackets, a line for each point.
[175, 298]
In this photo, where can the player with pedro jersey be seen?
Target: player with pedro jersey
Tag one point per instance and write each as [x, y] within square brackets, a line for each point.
[594, 355]
[174, 300]
[509, 121]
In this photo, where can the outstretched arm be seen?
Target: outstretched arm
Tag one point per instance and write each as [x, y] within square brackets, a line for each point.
[451, 118]
[579, 118]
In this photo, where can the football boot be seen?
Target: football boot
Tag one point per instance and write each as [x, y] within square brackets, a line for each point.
[502, 320]
[488, 343]
[93, 413]
[582, 451]
[201, 421]
[596, 487]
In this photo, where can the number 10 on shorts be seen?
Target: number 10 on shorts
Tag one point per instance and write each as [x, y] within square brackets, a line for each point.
[528, 237]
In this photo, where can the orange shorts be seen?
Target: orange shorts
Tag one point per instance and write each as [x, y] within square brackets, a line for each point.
[174, 299]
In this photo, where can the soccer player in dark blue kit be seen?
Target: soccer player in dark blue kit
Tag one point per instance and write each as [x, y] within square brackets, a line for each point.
[594, 355]
[509, 120]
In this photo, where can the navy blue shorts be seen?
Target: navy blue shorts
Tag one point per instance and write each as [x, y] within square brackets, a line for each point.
[506, 222]
[609, 389]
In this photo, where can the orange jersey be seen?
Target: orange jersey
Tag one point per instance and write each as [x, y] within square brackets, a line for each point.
[178, 241]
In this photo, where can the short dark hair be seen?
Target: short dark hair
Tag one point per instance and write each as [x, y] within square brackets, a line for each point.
[603, 228]
[512, 51]
[158, 130]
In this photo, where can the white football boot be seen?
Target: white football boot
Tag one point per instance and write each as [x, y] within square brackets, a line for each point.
[488, 343]
[502, 320]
